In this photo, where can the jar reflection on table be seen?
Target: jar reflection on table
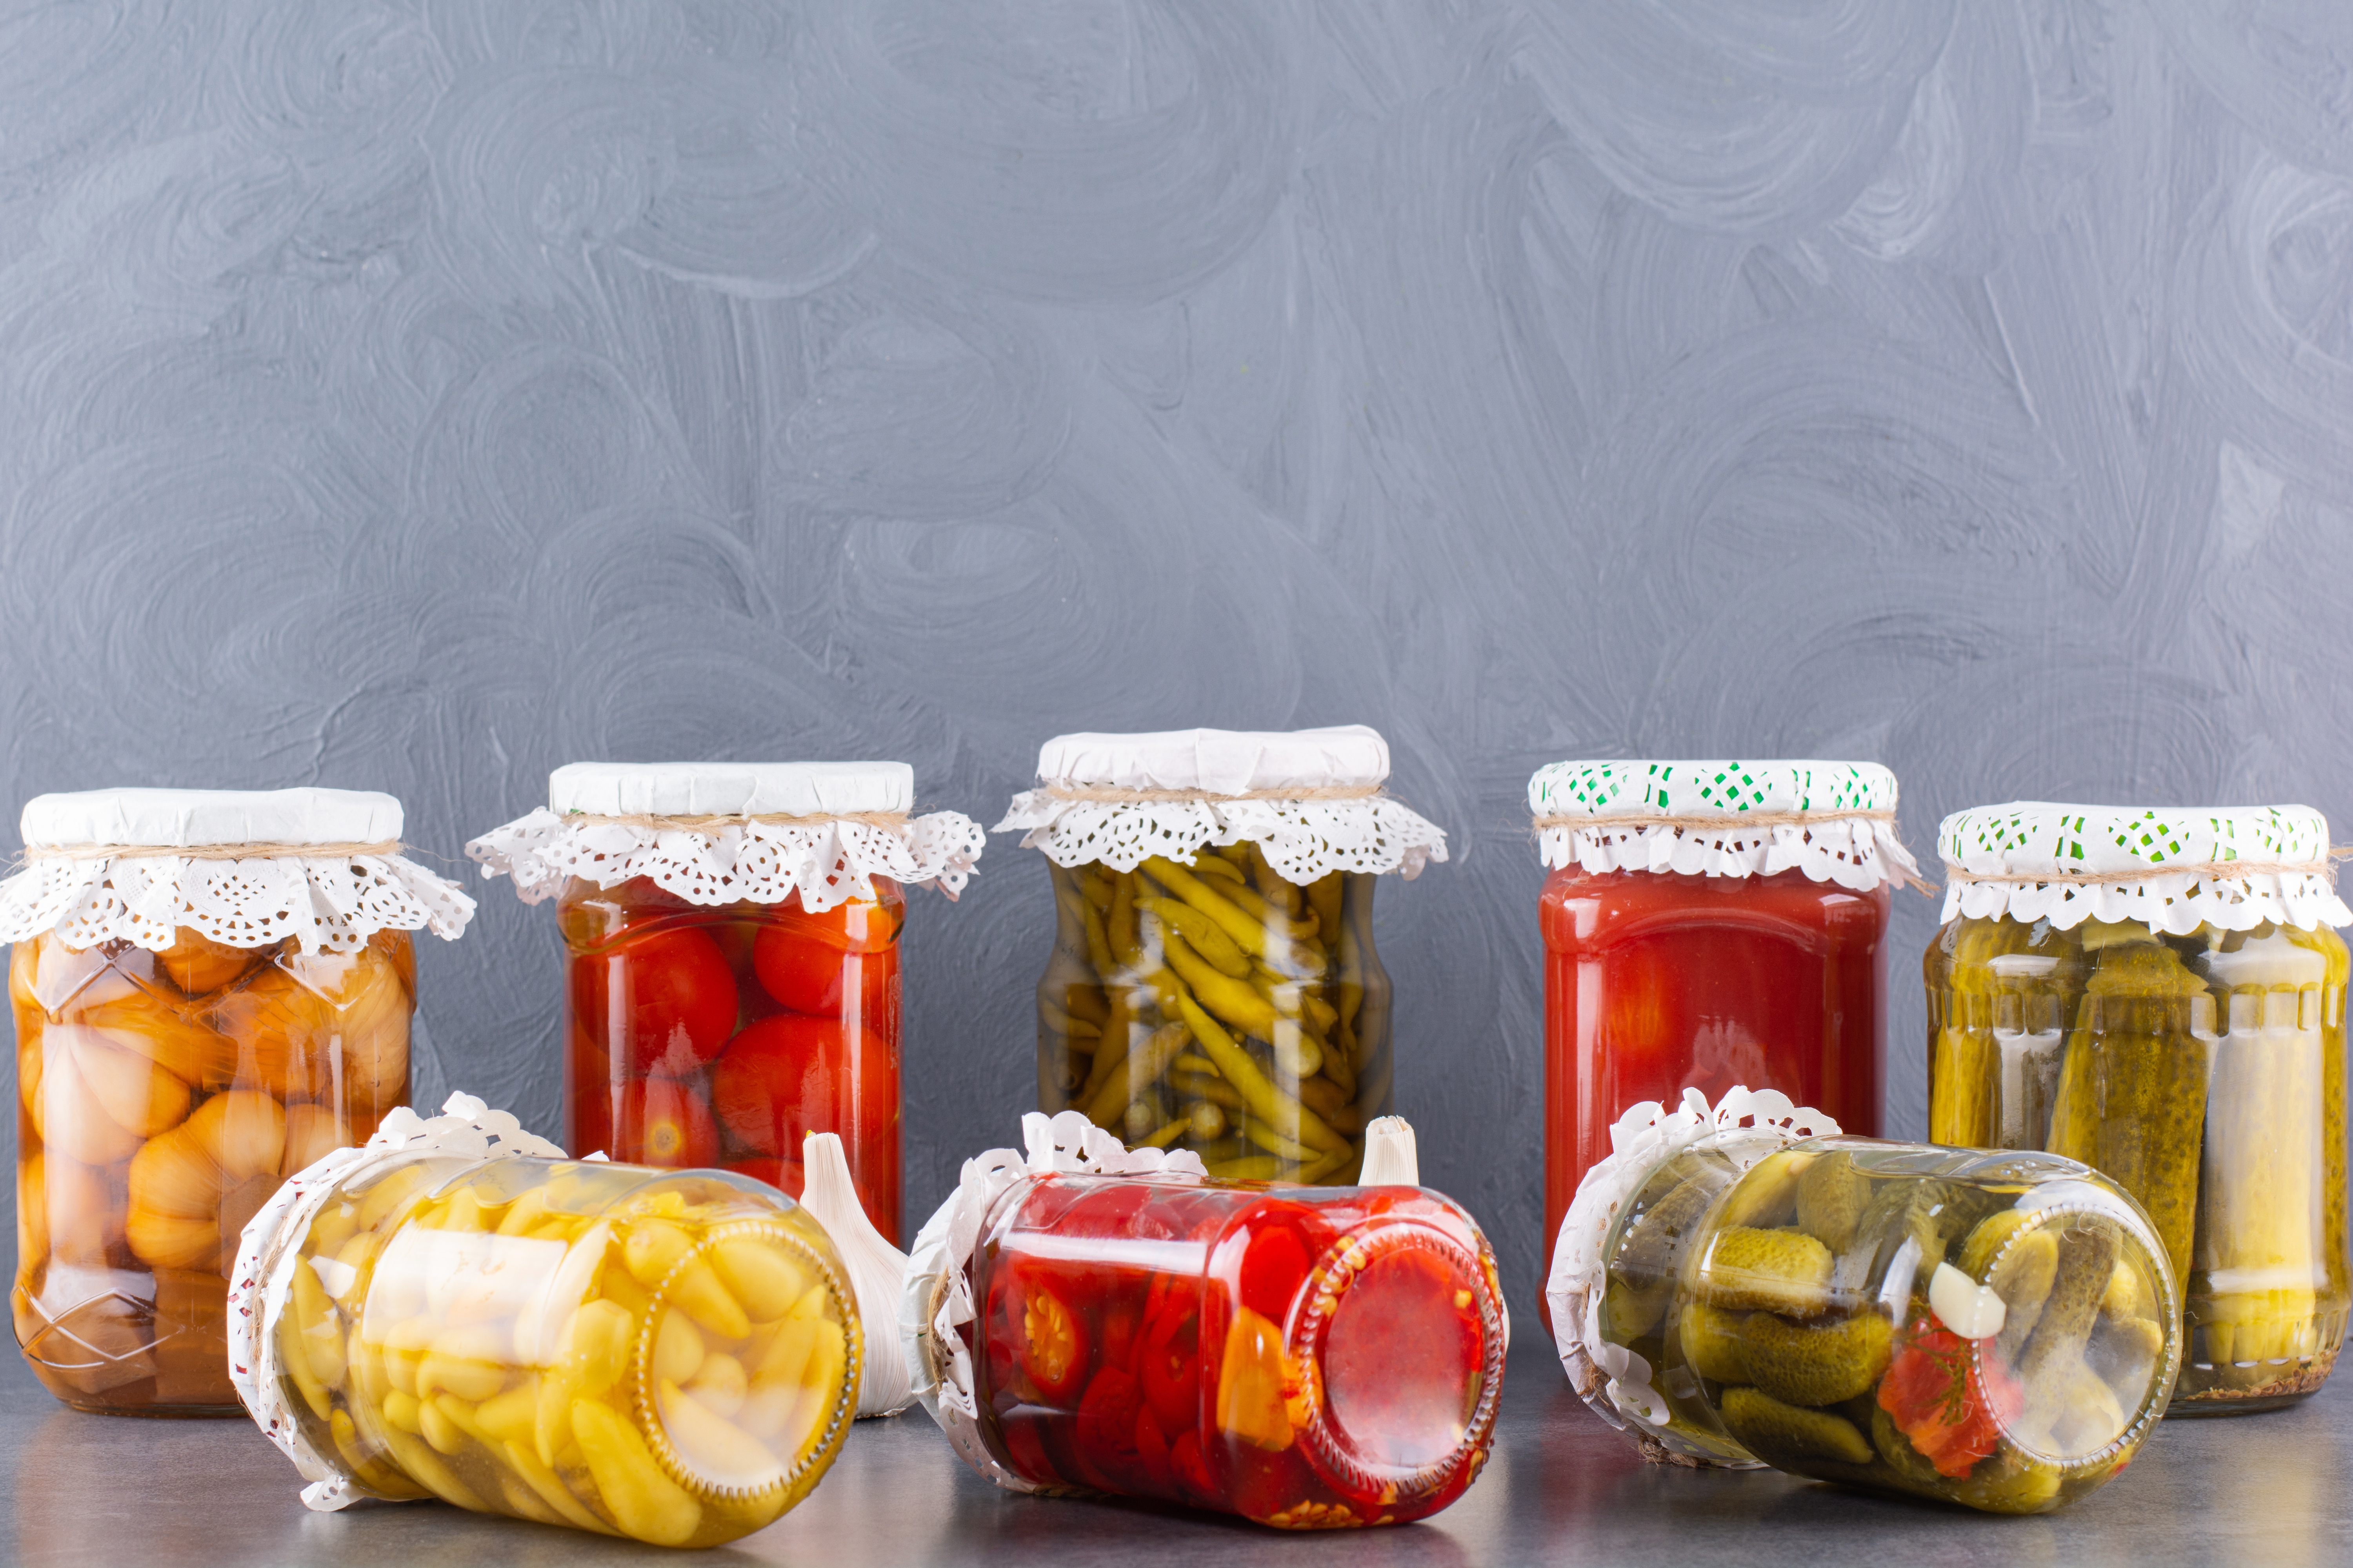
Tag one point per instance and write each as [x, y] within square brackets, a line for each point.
[1656, 982]
[723, 1035]
[162, 1096]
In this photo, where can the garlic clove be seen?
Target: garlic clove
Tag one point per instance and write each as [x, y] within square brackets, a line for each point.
[1390, 1160]
[1970, 1309]
[877, 1270]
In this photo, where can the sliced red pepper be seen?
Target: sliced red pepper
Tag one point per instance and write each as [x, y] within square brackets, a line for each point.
[1050, 1342]
[1940, 1397]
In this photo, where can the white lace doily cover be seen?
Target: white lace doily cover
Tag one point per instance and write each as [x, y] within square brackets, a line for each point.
[1854, 852]
[1612, 1379]
[1995, 854]
[1303, 840]
[269, 1251]
[937, 1301]
[330, 903]
[826, 859]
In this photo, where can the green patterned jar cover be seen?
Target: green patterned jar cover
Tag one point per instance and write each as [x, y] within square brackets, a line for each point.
[1833, 821]
[2173, 868]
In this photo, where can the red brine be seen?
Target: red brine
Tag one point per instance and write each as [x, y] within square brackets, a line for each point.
[1657, 981]
[1308, 1358]
[723, 1035]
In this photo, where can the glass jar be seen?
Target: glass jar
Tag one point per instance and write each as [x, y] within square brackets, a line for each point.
[731, 936]
[671, 1357]
[1680, 953]
[1995, 1329]
[699, 1036]
[1307, 1358]
[164, 1095]
[1213, 984]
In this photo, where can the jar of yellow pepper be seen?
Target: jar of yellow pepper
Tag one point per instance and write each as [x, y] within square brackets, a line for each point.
[1213, 984]
[212, 988]
[456, 1310]
[2160, 994]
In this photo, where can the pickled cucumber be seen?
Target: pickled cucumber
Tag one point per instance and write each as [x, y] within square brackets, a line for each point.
[1814, 1365]
[1776, 1431]
[1775, 1271]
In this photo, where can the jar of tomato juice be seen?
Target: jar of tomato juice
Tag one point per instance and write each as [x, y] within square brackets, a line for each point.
[731, 938]
[1709, 924]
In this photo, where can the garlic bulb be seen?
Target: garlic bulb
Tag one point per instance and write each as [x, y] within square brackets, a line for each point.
[876, 1267]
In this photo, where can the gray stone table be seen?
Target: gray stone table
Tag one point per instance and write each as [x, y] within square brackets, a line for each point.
[2275, 1490]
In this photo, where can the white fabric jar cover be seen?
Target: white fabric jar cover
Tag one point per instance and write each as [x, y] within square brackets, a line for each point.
[269, 1250]
[1612, 1379]
[720, 833]
[1833, 821]
[2234, 868]
[1309, 799]
[320, 866]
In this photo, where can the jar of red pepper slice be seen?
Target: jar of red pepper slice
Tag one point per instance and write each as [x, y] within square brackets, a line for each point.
[1997, 1330]
[1088, 1320]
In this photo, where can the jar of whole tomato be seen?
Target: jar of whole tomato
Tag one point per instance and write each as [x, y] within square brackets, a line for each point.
[212, 988]
[456, 1310]
[1737, 1284]
[1708, 924]
[1088, 1318]
[1213, 984]
[2160, 994]
[731, 937]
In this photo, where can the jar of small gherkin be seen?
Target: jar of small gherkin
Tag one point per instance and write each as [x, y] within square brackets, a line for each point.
[1213, 984]
[2160, 994]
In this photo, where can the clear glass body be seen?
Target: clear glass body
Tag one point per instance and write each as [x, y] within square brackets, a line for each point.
[724, 1036]
[2205, 1074]
[162, 1096]
[1656, 982]
[1995, 1329]
[1306, 1358]
[1219, 1008]
[671, 1357]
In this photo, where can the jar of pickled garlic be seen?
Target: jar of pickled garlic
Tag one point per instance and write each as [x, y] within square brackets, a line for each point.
[2161, 995]
[1709, 924]
[456, 1310]
[212, 988]
[731, 938]
[1085, 1317]
[1213, 984]
[1739, 1285]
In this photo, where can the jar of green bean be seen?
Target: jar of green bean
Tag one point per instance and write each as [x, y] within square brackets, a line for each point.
[1213, 984]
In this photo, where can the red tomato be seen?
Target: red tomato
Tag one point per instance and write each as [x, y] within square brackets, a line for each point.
[785, 1077]
[1106, 1431]
[661, 1003]
[664, 1121]
[1167, 1366]
[1050, 1341]
[810, 975]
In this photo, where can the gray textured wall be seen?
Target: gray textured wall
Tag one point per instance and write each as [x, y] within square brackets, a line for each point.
[421, 396]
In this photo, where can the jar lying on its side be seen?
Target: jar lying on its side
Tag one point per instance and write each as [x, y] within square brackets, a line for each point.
[2182, 1032]
[1996, 1329]
[169, 1078]
[671, 1356]
[1213, 985]
[1308, 1358]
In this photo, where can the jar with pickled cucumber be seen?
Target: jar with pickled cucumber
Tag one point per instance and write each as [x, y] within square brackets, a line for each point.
[211, 989]
[2161, 995]
[1708, 924]
[1739, 1285]
[730, 938]
[456, 1310]
[1087, 1317]
[1213, 984]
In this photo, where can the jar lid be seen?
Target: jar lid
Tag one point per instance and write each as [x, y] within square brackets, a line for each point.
[1221, 762]
[1309, 799]
[731, 789]
[1833, 821]
[248, 868]
[160, 819]
[2172, 869]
